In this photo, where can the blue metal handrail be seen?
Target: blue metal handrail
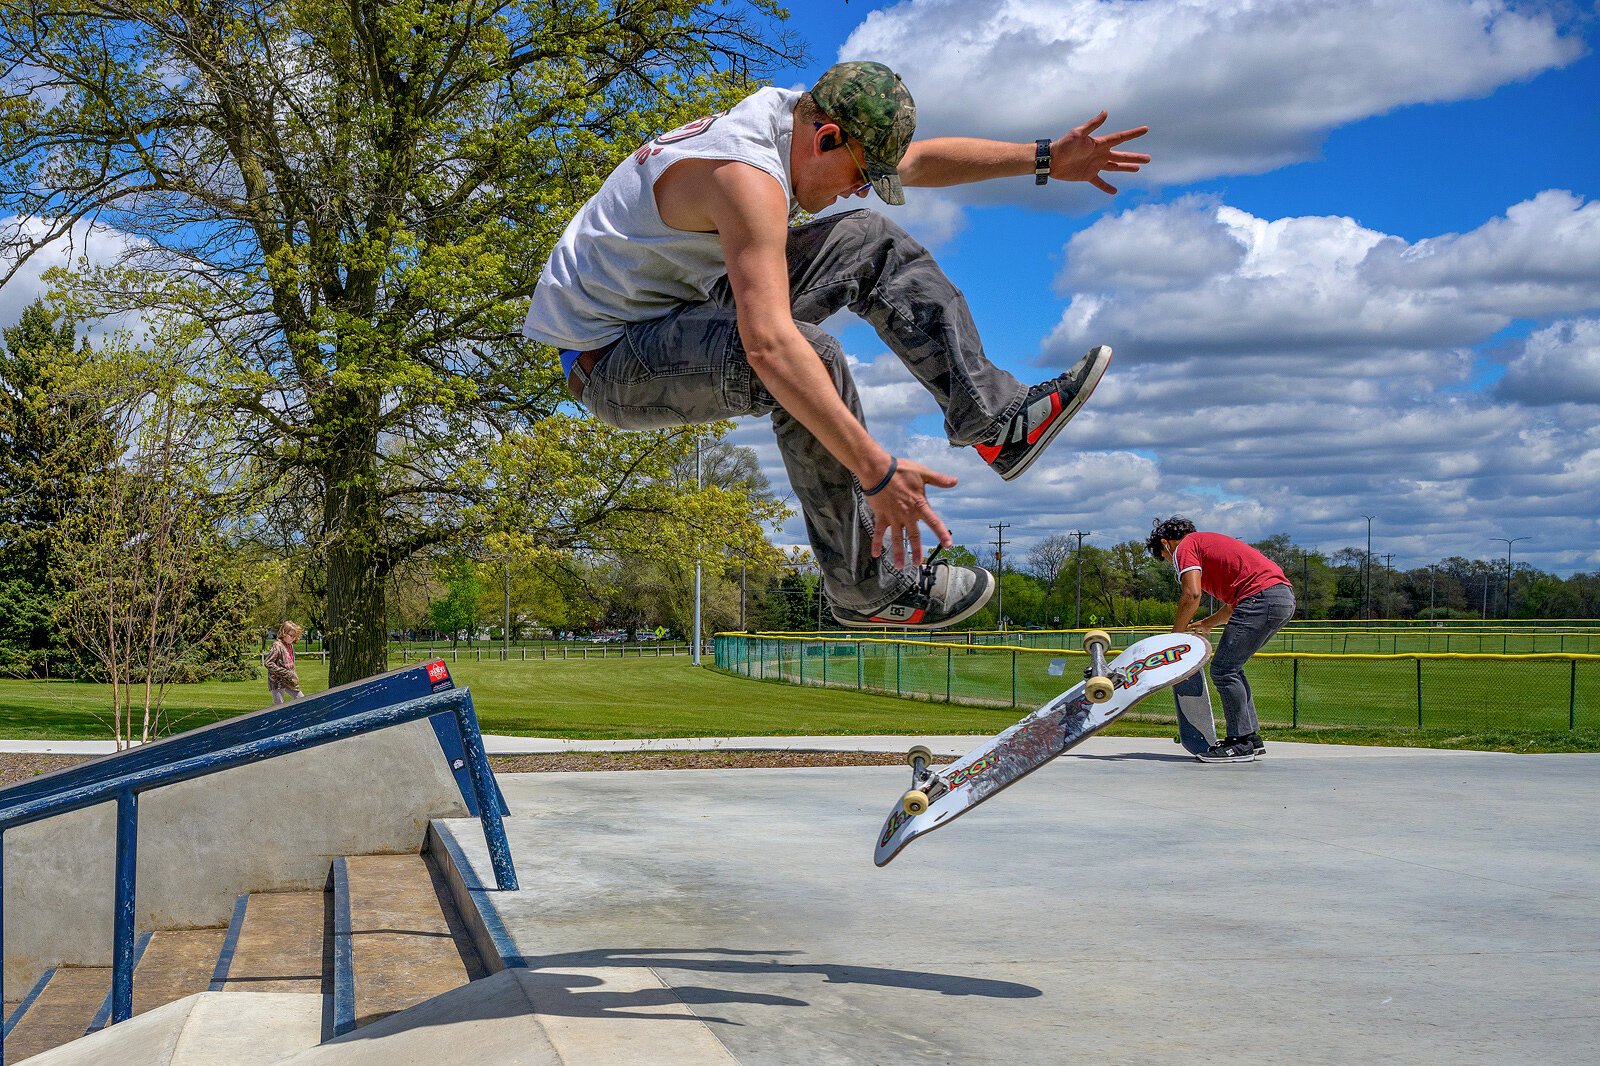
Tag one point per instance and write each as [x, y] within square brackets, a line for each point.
[399, 696]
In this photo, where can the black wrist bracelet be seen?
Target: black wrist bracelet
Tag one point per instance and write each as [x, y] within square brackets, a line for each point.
[1041, 161]
[894, 464]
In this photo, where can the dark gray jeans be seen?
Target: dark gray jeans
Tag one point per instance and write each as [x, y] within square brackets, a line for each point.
[690, 366]
[1252, 624]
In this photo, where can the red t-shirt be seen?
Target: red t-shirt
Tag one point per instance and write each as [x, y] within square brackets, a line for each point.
[1230, 569]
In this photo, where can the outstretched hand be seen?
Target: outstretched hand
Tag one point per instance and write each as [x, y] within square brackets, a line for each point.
[1081, 156]
[900, 509]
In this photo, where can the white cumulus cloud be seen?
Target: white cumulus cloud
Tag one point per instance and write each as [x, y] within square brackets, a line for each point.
[1227, 86]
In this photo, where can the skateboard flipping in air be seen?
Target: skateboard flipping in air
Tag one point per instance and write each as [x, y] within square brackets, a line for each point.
[938, 797]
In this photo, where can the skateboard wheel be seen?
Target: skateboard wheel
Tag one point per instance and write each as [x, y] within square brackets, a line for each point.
[1098, 689]
[1097, 636]
[914, 802]
[920, 751]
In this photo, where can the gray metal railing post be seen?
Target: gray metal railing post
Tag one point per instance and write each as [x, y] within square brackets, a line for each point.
[1572, 696]
[494, 830]
[123, 915]
[1419, 693]
[1294, 697]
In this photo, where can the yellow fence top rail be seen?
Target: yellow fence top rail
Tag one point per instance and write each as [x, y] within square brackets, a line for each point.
[923, 645]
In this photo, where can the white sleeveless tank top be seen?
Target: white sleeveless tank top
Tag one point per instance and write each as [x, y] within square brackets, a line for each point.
[617, 262]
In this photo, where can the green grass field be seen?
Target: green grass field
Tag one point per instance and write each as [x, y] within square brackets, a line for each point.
[614, 698]
[669, 697]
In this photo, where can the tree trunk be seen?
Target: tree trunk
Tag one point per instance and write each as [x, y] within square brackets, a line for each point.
[355, 640]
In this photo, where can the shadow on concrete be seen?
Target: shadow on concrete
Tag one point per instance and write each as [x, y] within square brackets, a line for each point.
[1139, 756]
[566, 985]
[731, 961]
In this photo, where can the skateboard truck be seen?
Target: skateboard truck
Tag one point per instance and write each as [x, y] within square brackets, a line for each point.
[1096, 685]
[926, 784]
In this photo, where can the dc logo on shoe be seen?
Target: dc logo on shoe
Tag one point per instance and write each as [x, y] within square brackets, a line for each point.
[899, 612]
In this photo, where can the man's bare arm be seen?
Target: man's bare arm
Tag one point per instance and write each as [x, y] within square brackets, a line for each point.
[1188, 600]
[1080, 155]
[750, 213]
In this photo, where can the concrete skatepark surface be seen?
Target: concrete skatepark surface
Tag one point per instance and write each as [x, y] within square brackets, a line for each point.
[1125, 904]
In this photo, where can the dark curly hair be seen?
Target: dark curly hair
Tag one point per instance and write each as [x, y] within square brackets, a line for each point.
[1175, 528]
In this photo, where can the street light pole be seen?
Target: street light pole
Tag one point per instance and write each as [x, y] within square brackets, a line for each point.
[697, 564]
[1366, 565]
[1508, 541]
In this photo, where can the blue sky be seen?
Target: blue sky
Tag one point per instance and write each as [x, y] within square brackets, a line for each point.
[1361, 275]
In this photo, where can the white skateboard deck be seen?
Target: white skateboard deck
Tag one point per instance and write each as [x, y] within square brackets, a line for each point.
[1143, 668]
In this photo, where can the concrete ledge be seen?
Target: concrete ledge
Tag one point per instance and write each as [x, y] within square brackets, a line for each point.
[205, 1029]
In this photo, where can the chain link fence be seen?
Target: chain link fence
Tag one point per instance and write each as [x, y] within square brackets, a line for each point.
[1327, 638]
[1408, 690]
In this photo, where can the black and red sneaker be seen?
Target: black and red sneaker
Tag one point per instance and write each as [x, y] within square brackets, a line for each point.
[943, 595]
[1048, 407]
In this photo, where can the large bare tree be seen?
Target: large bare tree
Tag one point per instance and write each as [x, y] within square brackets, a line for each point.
[355, 199]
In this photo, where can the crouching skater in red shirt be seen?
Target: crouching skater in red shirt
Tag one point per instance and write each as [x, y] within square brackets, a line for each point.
[1256, 601]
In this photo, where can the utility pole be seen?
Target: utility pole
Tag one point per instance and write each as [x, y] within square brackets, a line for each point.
[505, 629]
[1077, 609]
[1430, 589]
[1366, 565]
[1000, 565]
[1305, 584]
[1507, 541]
[1388, 580]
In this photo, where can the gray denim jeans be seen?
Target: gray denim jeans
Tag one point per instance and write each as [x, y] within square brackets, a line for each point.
[689, 366]
[1253, 622]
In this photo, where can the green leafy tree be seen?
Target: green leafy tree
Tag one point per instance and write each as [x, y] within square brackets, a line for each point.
[47, 445]
[151, 589]
[456, 612]
[354, 201]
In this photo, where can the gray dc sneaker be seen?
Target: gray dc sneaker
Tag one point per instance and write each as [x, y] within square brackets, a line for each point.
[1046, 410]
[943, 595]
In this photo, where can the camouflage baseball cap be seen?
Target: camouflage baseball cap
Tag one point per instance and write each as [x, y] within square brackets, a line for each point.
[874, 108]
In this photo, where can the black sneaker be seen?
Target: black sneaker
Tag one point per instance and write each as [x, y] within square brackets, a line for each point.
[1254, 740]
[1229, 751]
[943, 595]
[1045, 411]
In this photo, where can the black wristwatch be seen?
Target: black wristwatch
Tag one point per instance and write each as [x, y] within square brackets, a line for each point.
[1041, 161]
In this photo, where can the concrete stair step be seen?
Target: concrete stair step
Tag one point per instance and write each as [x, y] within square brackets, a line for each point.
[62, 1012]
[405, 941]
[280, 945]
[175, 963]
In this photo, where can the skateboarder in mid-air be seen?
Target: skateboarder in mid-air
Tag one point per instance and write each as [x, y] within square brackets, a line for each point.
[1256, 601]
[680, 294]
